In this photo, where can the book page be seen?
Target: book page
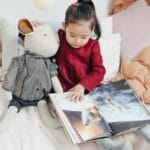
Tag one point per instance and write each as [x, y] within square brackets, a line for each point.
[66, 124]
[120, 106]
[83, 116]
[66, 104]
[89, 124]
[117, 102]
[110, 108]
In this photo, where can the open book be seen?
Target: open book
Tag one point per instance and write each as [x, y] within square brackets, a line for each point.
[107, 111]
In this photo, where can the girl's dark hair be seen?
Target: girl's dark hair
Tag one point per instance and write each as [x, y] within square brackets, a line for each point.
[83, 10]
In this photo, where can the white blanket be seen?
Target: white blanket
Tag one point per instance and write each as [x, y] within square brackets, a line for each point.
[27, 131]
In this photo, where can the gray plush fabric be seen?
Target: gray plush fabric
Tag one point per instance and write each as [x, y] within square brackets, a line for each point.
[29, 76]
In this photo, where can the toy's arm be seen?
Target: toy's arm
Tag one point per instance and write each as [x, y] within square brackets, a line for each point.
[56, 85]
[10, 77]
[55, 81]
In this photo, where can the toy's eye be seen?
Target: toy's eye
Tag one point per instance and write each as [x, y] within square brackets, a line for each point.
[45, 34]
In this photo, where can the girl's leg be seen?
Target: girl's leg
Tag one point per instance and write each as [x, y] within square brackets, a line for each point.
[108, 144]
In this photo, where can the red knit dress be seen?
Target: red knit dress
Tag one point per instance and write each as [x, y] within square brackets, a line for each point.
[82, 65]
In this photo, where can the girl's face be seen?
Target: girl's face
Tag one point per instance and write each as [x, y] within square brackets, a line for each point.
[78, 34]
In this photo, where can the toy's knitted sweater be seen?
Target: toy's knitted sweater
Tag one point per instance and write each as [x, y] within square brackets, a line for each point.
[29, 76]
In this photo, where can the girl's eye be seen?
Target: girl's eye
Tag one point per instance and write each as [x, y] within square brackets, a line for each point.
[72, 36]
[84, 37]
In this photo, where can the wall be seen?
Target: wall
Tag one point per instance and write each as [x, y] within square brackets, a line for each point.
[134, 26]
[15, 9]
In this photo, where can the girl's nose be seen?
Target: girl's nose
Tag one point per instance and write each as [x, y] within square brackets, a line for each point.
[78, 41]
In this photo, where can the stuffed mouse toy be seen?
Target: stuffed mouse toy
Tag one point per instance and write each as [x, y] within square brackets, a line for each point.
[31, 76]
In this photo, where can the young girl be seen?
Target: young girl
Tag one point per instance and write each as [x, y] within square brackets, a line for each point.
[79, 60]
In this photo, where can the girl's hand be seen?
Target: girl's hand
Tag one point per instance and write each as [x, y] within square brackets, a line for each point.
[76, 93]
[36, 23]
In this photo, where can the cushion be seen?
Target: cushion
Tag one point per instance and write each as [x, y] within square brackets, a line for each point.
[10, 47]
[119, 5]
[9, 41]
[106, 26]
[144, 57]
[110, 49]
[137, 71]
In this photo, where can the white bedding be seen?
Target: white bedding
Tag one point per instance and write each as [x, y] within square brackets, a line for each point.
[27, 131]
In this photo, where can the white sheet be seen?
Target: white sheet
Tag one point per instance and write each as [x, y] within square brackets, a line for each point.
[27, 132]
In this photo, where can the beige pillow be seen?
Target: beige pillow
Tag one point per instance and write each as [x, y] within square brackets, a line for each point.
[119, 5]
[137, 72]
[144, 57]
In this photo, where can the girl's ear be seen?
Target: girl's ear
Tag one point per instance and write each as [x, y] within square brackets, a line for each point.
[63, 25]
[24, 26]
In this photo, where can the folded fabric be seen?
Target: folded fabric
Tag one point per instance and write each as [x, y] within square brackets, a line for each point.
[137, 72]
[119, 5]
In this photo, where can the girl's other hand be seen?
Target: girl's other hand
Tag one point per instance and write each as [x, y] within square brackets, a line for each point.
[76, 93]
[36, 23]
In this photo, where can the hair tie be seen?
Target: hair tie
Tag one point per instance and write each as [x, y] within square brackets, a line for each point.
[76, 4]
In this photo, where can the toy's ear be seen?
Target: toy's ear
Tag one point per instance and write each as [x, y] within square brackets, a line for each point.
[25, 26]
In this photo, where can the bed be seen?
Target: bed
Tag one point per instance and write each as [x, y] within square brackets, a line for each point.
[27, 131]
